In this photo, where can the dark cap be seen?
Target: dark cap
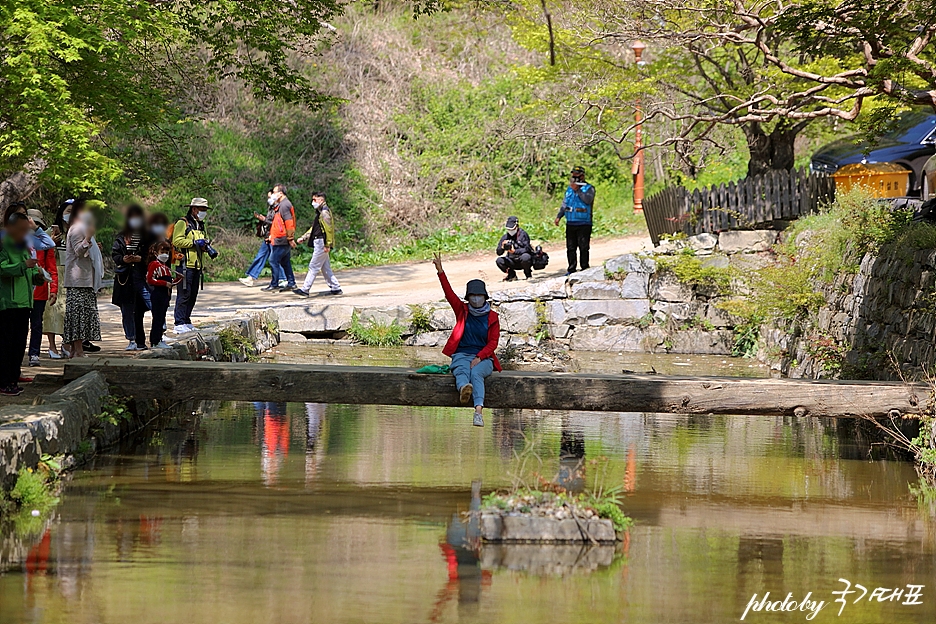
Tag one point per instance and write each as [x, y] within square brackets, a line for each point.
[578, 171]
[512, 222]
[476, 287]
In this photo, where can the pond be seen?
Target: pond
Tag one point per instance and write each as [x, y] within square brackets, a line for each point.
[254, 513]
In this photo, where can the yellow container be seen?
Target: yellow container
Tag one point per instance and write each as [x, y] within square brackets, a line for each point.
[879, 179]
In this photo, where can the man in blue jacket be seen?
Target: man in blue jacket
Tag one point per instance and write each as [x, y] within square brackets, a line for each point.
[577, 210]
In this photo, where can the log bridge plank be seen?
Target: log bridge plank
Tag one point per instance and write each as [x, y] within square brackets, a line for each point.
[155, 379]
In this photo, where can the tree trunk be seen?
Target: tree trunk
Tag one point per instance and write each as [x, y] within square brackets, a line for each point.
[770, 151]
[16, 187]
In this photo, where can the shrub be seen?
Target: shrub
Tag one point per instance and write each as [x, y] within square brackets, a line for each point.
[32, 491]
[375, 333]
[420, 319]
[692, 271]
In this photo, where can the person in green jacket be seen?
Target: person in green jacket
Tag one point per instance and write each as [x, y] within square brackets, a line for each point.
[18, 277]
[321, 238]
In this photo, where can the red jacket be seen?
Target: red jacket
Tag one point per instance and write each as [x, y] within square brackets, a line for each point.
[46, 259]
[461, 313]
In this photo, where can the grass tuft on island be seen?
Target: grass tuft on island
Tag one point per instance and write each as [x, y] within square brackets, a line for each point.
[558, 504]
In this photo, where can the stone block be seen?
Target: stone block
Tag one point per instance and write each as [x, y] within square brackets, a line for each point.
[672, 311]
[716, 316]
[560, 331]
[746, 241]
[598, 290]
[402, 314]
[598, 312]
[718, 342]
[594, 274]
[617, 338]
[521, 528]
[702, 244]
[428, 339]
[293, 337]
[665, 287]
[635, 286]
[517, 317]
[716, 261]
[630, 263]
[554, 560]
[315, 318]
[442, 319]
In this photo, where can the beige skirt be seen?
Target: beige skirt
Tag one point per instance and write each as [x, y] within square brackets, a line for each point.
[53, 319]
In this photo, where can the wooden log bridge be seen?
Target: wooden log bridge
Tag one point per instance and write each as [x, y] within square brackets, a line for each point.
[162, 379]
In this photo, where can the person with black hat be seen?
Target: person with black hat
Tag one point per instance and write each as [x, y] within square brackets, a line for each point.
[514, 251]
[473, 340]
[577, 209]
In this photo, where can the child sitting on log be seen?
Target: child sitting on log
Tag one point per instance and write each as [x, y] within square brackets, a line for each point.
[473, 341]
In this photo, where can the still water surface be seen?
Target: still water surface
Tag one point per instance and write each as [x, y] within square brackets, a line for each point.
[255, 513]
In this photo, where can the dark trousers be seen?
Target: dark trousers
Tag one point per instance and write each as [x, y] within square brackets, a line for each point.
[186, 296]
[15, 324]
[509, 263]
[159, 297]
[281, 257]
[35, 327]
[578, 238]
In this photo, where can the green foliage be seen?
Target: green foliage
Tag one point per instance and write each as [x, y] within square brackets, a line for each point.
[376, 333]
[747, 325]
[235, 345]
[541, 328]
[828, 354]
[32, 491]
[115, 409]
[691, 270]
[420, 319]
[613, 512]
[134, 65]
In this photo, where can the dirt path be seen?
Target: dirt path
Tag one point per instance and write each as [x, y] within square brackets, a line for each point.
[394, 284]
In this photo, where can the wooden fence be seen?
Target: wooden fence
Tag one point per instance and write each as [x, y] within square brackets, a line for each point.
[748, 203]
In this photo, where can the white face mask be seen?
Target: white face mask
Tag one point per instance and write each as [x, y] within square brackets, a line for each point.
[135, 223]
[476, 301]
[512, 230]
[271, 200]
[316, 204]
[66, 217]
[158, 230]
[202, 215]
[163, 258]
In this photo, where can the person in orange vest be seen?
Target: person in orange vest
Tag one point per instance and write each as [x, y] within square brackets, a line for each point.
[282, 241]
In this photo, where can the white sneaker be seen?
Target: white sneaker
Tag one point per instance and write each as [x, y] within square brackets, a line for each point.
[183, 329]
[131, 347]
[162, 345]
[190, 327]
[246, 281]
[34, 360]
[55, 356]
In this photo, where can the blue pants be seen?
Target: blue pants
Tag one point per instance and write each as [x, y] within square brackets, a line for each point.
[281, 260]
[259, 260]
[464, 374]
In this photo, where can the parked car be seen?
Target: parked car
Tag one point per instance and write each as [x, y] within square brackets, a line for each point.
[910, 144]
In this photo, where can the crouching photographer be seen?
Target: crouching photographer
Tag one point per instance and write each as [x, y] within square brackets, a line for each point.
[190, 238]
[514, 251]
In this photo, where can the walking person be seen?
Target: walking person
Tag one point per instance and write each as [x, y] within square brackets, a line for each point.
[515, 251]
[577, 207]
[130, 292]
[472, 342]
[321, 238]
[44, 294]
[191, 239]
[18, 277]
[53, 318]
[160, 282]
[84, 268]
[158, 227]
[264, 222]
[282, 241]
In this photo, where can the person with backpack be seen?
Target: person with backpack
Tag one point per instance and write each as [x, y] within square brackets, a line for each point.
[321, 238]
[264, 223]
[45, 293]
[514, 251]
[472, 342]
[190, 238]
[577, 207]
[282, 241]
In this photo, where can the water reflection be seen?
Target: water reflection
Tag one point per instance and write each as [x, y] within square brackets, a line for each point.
[296, 513]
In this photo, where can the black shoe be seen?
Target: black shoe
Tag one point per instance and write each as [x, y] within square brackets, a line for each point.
[300, 292]
[528, 274]
[11, 390]
[336, 292]
[90, 348]
[270, 288]
[511, 277]
[287, 288]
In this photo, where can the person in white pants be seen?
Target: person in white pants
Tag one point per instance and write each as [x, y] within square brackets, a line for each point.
[321, 237]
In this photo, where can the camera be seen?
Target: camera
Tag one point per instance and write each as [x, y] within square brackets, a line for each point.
[211, 251]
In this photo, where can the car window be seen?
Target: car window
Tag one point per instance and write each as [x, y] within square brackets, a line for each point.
[912, 127]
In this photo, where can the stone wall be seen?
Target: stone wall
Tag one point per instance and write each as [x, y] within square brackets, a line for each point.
[237, 339]
[885, 314]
